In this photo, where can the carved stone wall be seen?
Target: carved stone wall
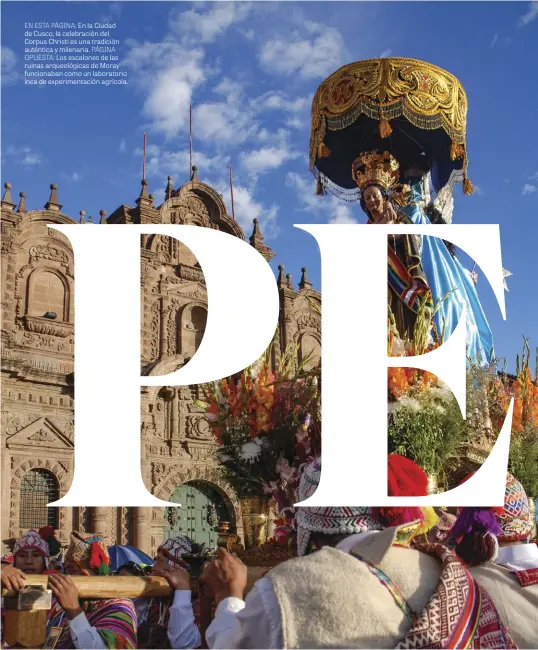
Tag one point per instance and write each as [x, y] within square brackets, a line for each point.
[37, 361]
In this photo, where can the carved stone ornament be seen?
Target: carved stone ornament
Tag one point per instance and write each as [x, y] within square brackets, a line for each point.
[199, 428]
[48, 253]
[47, 326]
[309, 321]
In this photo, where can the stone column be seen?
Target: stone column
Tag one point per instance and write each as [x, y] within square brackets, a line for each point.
[142, 529]
[99, 521]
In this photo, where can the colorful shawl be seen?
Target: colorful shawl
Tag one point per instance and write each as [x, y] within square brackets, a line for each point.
[114, 619]
[459, 615]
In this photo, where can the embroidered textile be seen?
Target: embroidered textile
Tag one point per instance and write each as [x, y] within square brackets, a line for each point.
[32, 540]
[515, 520]
[460, 614]
[330, 521]
[115, 621]
[88, 551]
[175, 547]
[527, 577]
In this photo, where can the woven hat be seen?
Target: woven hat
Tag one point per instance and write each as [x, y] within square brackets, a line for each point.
[33, 541]
[329, 521]
[89, 553]
[515, 519]
[175, 547]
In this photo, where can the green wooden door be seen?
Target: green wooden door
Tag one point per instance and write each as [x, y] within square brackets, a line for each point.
[198, 518]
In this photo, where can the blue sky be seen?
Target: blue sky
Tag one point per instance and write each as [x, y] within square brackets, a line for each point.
[250, 70]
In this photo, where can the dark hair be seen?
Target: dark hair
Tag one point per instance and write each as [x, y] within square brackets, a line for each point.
[477, 547]
[363, 202]
[132, 567]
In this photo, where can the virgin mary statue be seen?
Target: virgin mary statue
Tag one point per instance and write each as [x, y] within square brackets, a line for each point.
[420, 266]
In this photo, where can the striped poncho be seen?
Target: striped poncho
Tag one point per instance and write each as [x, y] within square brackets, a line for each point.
[114, 620]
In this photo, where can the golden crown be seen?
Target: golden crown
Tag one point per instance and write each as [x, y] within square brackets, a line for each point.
[379, 168]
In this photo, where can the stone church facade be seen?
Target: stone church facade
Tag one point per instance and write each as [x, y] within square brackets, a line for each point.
[38, 333]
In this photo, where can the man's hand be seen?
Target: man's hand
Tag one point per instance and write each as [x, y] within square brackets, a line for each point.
[66, 593]
[12, 578]
[177, 577]
[226, 576]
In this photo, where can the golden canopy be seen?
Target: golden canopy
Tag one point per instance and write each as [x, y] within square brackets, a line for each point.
[410, 108]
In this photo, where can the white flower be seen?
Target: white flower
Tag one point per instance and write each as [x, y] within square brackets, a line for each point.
[256, 368]
[224, 457]
[398, 347]
[410, 403]
[251, 450]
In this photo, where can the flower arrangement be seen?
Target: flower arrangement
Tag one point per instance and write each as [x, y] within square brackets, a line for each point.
[267, 424]
[426, 426]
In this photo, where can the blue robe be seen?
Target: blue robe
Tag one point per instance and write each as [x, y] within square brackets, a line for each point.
[444, 273]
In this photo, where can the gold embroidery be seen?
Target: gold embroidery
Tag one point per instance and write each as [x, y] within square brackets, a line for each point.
[383, 89]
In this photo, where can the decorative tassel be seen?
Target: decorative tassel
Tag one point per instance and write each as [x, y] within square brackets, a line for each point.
[323, 150]
[104, 569]
[468, 187]
[385, 129]
[97, 556]
[320, 190]
[456, 150]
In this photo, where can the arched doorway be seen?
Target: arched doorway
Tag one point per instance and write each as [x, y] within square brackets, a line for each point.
[202, 509]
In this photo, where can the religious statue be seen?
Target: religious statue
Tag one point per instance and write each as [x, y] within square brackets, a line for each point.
[420, 266]
[416, 113]
[377, 175]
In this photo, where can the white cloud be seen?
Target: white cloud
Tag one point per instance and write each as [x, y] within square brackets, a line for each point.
[167, 163]
[168, 72]
[531, 14]
[266, 159]
[9, 66]
[316, 54]
[342, 214]
[151, 150]
[247, 208]
[123, 146]
[249, 34]
[200, 26]
[478, 190]
[494, 40]
[385, 53]
[231, 121]
[528, 188]
[278, 100]
[74, 177]
[295, 123]
[113, 12]
[333, 209]
[23, 156]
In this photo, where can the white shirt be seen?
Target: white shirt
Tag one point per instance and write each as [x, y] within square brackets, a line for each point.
[518, 557]
[84, 635]
[256, 622]
[182, 630]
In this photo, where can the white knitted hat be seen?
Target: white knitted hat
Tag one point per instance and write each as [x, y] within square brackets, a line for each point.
[329, 521]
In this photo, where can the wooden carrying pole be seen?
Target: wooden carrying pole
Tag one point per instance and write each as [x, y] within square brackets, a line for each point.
[95, 587]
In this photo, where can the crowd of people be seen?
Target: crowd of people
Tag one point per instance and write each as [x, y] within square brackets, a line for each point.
[364, 578]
